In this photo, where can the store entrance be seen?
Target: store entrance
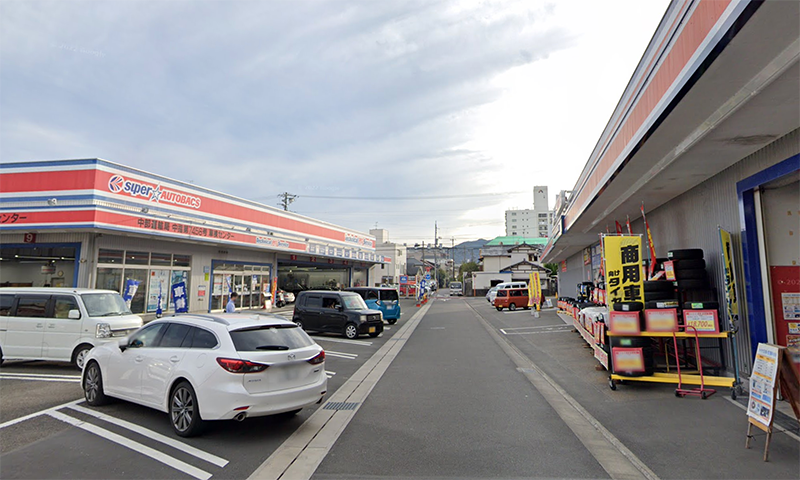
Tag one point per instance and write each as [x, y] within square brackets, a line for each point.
[39, 265]
[250, 281]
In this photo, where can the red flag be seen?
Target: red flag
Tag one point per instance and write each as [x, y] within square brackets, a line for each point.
[628, 222]
[650, 245]
[619, 228]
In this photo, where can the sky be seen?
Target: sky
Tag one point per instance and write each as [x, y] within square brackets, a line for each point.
[400, 115]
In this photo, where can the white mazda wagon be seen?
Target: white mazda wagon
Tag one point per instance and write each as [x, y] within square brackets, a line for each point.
[210, 367]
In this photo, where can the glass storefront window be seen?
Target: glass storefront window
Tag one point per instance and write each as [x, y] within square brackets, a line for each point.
[109, 279]
[110, 256]
[181, 260]
[139, 300]
[158, 288]
[137, 258]
[160, 259]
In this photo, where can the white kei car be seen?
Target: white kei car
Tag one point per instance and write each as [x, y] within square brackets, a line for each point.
[210, 367]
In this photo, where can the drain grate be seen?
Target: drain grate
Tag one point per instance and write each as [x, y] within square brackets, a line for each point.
[340, 406]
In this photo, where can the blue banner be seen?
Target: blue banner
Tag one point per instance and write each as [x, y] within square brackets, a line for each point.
[179, 297]
[130, 291]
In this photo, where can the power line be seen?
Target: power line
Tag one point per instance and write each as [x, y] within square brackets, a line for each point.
[286, 199]
[418, 197]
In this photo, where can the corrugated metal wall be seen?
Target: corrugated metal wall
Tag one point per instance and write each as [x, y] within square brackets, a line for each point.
[692, 219]
[576, 273]
[85, 239]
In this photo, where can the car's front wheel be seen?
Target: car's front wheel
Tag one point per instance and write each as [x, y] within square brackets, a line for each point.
[184, 412]
[512, 307]
[499, 309]
[351, 331]
[93, 386]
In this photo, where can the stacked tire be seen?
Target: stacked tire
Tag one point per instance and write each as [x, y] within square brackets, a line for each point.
[692, 279]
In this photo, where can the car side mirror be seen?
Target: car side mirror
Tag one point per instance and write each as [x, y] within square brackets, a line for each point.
[74, 314]
[123, 344]
[339, 308]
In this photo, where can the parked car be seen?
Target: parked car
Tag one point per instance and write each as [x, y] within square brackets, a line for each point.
[387, 300]
[288, 297]
[491, 295]
[511, 298]
[337, 312]
[456, 288]
[60, 324]
[210, 367]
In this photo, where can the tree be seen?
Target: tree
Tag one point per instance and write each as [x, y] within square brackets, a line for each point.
[553, 268]
[467, 267]
[442, 277]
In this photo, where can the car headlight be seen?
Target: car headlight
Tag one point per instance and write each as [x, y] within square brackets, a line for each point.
[103, 330]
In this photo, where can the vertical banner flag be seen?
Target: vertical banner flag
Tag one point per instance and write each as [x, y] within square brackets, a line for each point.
[179, 297]
[628, 223]
[649, 245]
[131, 286]
[623, 259]
[619, 228]
[537, 289]
[730, 278]
[159, 304]
[530, 290]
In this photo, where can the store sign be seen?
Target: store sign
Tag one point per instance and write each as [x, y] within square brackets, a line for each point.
[154, 193]
[48, 269]
[661, 320]
[669, 270]
[624, 322]
[623, 268]
[704, 321]
[179, 297]
[762, 384]
[731, 300]
[627, 359]
[29, 238]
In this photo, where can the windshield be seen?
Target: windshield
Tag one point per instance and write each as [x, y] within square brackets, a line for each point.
[455, 285]
[272, 337]
[105, 304]
[354, 302]
[389, 295]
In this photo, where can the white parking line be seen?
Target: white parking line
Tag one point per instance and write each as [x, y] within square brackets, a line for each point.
[37, 414]
[536, 330]
[342, 340]
[349, 356]
[135, 446]
[51, 375]
[208, 457]
[4, 376]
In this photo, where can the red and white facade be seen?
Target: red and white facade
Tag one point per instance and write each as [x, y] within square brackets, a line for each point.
[98, 209]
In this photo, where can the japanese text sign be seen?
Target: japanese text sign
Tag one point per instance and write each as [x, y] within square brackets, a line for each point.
[179, 297]
[624, 273]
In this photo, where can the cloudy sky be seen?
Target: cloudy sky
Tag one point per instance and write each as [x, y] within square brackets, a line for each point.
[392, 113]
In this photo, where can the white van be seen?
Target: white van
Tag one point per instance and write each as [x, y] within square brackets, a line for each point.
[505, 285]
[60, 324]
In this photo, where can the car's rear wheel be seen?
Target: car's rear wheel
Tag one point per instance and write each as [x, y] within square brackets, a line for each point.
[93, 386]
[79, 355]
[299, 324]
[351, 331]
[184, 412]
[392, 321]
[512, 307]
[499, 309]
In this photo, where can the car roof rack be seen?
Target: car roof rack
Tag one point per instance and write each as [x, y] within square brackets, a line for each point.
[201, 316]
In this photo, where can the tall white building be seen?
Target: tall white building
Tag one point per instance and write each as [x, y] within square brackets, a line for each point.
[389, 272]
[531, 222]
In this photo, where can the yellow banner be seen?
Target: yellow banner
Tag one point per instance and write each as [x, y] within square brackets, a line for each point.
[730, 276]
[623, 265]
[534, 290]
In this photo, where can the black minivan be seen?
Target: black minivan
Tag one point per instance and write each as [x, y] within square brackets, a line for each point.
[337, 312]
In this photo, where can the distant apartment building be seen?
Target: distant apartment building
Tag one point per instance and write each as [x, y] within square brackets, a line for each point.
[531, 222]
[389, 272]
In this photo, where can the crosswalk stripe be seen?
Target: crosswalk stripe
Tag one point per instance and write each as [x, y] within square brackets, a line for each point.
[135, 446]
[196, 452]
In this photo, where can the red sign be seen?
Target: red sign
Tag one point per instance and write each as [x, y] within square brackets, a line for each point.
[785, 282]
[29, 238]
[293, 257]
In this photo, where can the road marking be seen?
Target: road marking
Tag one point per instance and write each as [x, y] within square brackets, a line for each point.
[299, 456]
[342, 340]
[196, 452]
[39, 413]
[615, 458]
[538, 330]
[135, 446]
[39, 379]
[49, 375]
[349, 356]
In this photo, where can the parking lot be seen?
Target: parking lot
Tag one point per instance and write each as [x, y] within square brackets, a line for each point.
[45, 417]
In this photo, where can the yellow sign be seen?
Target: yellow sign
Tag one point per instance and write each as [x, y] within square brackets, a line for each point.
[534, 290]
[624, 272]
[730, 276]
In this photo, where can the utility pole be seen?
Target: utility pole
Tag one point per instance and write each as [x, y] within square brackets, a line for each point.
[286, 199]
[453, 253]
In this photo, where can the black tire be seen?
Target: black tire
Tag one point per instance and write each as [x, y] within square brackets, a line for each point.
[693, 283]
[512, 306]
[652, 296]
[184, 412]
[350, 331]
[701, 305]
[658, 286]
[79, 355]
[93, 385]
[628, 307]
[1, 357]
[392, 321]
[686, 254]
[691, 274]
[611, 384]
[690, 264]
[657, 304]
[499, 309]
[299, 323]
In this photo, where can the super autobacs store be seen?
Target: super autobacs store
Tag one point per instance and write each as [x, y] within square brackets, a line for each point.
[94, 223]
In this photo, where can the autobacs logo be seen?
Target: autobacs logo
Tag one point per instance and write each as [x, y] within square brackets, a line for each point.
[118, 184]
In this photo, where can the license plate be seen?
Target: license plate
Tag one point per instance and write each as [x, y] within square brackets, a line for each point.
[371, 329]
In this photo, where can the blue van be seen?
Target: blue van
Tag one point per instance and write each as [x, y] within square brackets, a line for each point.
[387, 300]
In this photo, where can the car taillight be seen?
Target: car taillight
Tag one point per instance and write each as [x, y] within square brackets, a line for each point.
[234, 365]
[318, 359]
